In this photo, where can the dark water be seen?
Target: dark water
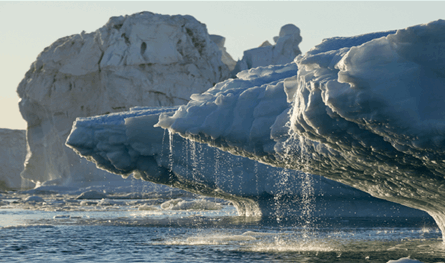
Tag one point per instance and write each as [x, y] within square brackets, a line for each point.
[94, 233]
[118, 242]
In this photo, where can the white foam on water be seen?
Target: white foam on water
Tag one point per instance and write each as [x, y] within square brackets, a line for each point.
[253, 233]
[180, 204]
[215, 239]
[292, 245]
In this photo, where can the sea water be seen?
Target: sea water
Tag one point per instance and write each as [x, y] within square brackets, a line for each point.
[190, 229]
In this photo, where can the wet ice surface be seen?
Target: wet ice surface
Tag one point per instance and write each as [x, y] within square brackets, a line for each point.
[63, 228]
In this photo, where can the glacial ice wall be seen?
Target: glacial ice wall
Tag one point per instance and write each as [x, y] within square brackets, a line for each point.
[142, 59]
[12, 157]
[366, 111]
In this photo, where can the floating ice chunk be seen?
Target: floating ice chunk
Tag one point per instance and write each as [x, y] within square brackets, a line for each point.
[196, 205]
[61, 217]
[92, 194]
[180, 204]
[171, 203]
[57, 203]
[148, 208]
[404, 260]
[108, 202]
[67, 217]
[87, 203]
[34, 199]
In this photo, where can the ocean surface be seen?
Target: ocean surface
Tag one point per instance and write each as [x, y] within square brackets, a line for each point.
[55, 227]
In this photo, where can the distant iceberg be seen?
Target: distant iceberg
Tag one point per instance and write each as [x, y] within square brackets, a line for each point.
[12, 157]
[283, 51]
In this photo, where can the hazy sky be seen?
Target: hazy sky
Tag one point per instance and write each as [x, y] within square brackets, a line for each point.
[29, 27]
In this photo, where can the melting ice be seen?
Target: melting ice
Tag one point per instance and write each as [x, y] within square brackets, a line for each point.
[366, 110]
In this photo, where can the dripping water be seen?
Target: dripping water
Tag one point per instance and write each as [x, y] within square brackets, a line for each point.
[194, 159]
[304, 204]
[216, 170]
[162, 144]
[164, 153]
[170, 165]
[307, 192]
[255, 171]
[170, 147]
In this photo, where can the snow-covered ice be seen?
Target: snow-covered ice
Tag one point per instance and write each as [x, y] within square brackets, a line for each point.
[127, 143]
[140, 59]
[366, 111]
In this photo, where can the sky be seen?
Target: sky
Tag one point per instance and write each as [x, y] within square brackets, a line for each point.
[29, 27]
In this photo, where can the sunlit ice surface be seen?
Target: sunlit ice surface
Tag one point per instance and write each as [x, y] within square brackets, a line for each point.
[61, 228]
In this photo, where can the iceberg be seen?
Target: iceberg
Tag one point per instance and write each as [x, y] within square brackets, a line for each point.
[159, 59]
[284, 51]
[12, 157]
[226, 58]
[366, 111]
[127, 143]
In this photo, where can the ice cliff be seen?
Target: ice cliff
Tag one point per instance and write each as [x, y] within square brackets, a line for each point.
[284, 51]
[127, 144]
[366, 111]
[142, 59]
[12, 157]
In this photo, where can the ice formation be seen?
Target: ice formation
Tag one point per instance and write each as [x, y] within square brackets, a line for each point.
[404, 260]
[284, 51]
[127, 143]
[12, 157]
[142, 59]
[366, 111]
[226, 58]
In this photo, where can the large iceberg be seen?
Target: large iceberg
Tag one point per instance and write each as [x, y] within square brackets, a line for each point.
[127, 143]
[12, 157]
[159, 59]
[366, 111]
